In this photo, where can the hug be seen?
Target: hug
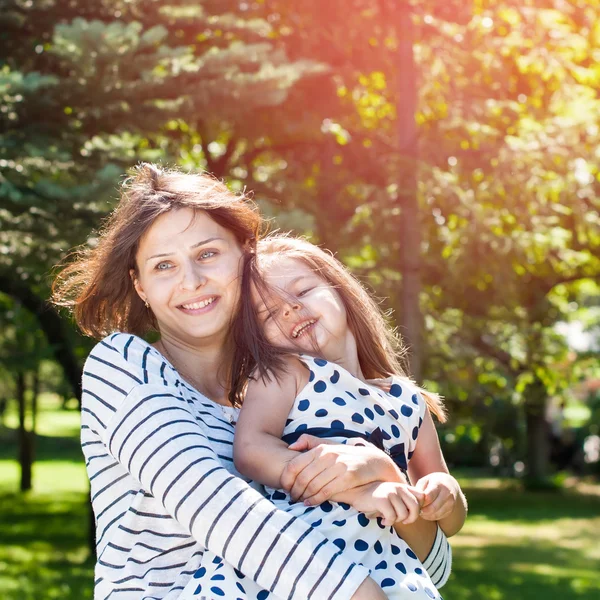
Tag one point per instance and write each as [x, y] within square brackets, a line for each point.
[333, 486]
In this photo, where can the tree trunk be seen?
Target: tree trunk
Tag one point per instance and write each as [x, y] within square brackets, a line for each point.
[409, 224]
[51, 324]
[538, 446]
[35, 388]
[24, 436]
[91, 530]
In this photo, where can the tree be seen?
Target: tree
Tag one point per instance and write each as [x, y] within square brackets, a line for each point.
[88, 90]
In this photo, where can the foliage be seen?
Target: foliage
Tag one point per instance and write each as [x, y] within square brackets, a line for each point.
[301, 102]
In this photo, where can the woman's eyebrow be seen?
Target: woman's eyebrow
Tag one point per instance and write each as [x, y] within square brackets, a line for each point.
[202, 243]
[208, 241]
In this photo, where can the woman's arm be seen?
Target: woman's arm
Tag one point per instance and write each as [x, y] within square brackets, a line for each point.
[258, 450]
[149, 428]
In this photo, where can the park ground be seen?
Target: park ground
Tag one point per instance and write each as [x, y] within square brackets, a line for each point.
[516, 545]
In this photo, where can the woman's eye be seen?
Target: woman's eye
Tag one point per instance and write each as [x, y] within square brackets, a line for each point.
[207, 254]
[304, 292]
[163, 266]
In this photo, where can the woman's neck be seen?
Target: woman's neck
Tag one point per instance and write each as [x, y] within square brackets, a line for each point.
[201, 367]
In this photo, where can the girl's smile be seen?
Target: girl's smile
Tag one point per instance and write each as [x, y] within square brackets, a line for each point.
[302, 311]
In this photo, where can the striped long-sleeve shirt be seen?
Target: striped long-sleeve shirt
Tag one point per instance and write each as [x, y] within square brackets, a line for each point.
[163, 488]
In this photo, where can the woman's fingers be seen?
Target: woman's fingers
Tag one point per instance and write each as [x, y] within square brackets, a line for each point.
[308, 442]
[293, 468]
[324, 485]
[315, 463]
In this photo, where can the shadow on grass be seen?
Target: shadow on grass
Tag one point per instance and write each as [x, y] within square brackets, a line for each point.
[59, 520]
[513, 504]
[46, 447]
[522, 572]
[44, 552]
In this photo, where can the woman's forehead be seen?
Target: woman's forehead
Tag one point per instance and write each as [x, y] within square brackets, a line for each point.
[182, 226]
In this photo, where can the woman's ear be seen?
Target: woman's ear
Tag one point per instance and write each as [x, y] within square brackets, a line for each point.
[136, 284]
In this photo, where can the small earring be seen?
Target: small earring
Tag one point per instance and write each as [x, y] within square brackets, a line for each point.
[146, 304]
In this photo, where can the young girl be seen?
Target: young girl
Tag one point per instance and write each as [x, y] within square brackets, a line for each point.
[309, 367]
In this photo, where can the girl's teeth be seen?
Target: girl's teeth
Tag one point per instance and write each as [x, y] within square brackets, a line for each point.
[299, 332]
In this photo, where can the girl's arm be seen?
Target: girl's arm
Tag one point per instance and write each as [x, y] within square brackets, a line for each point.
[258, 450]
[445, 502]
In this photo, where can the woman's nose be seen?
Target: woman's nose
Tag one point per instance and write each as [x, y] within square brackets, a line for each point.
[191, 278]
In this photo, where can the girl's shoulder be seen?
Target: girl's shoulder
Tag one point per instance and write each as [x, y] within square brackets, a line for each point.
[290, 379]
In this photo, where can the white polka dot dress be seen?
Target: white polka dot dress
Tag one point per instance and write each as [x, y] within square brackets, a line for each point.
[338, 406]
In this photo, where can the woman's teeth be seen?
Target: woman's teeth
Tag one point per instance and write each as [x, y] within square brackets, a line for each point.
[300, 329]
[197, 305]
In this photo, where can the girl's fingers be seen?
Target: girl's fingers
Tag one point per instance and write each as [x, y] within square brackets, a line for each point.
[432, 493]
[399, 507]
[412, 506]
[419, 495]
[388, 512]
[440, 508]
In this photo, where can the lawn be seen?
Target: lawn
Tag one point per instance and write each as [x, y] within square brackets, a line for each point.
[516, 545]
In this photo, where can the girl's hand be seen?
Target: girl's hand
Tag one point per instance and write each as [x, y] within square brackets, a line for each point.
[441, 492]
[327, 468]
[393, 502]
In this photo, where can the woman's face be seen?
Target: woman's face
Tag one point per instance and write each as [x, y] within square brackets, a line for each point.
[189, 271]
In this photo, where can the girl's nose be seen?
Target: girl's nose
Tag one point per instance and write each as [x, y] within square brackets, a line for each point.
[291, 307]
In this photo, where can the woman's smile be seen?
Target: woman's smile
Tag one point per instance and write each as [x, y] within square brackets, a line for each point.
[199, 306]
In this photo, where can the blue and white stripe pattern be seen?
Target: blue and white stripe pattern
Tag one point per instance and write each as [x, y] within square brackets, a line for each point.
[163, 487]
[439, 560]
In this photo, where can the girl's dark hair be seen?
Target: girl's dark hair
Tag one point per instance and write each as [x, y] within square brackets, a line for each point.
[380, 348]
[94, 282]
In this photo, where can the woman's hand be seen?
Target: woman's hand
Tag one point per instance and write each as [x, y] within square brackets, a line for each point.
[393, 502]
[442, 492]
[327, 468]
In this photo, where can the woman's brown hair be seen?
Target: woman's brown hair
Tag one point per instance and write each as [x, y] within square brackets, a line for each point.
[95, 283]
[380, 348]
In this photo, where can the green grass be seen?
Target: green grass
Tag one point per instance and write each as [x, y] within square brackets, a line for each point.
[515, 545]
[527, 546]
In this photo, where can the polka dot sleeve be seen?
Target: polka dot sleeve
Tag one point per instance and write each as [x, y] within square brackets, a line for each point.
[410, 407]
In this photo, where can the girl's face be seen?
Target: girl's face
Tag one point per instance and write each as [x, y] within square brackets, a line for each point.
[189, 271]
[301, 309]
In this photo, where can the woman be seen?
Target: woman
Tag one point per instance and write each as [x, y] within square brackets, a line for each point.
[157, 427]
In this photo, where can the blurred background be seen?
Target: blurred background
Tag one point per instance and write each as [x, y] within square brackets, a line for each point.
[446, 151]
